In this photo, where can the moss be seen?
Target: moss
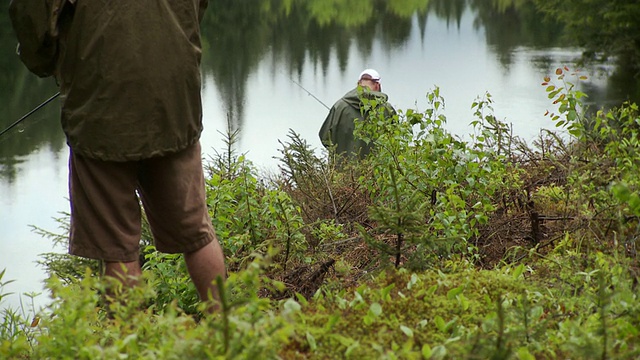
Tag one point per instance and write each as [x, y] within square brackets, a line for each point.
[416, 307]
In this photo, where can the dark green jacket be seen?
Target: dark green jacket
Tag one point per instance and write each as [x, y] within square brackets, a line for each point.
[35, 23]
[129, 77]
[128, 71]
[337, 129]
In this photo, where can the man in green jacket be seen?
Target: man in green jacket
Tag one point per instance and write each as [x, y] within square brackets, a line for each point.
[337, 129]
[131, 111]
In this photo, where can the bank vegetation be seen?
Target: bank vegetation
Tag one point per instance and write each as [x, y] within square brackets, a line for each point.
[434, 247]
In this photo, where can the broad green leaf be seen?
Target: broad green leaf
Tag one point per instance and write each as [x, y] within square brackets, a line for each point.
[524, 354]
[451, 294]
[375, 309]
[414, 279]
[426, 351]
[292, 306]
[440, 324]
[518, 271]
[311, 341]
[432, 289]
[406, 330]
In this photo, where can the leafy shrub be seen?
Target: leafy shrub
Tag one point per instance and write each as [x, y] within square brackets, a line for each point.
[431, 189]
[250, 216]
[423, 199]
[602, 181]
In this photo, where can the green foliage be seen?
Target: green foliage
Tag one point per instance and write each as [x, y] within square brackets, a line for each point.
[602, 182]
[618, 130]
[69, 268]
[79, 325]
[423, 198]
[169, 278]
[568, 100]
[17, 333]
[502, 313]
[563, 305]
[66, 267]
[247, 214]
[431, 189]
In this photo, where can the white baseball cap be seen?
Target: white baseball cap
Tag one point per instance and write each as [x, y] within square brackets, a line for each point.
[370, 74]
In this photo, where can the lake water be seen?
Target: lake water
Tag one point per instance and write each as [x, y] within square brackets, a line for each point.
[256, 62]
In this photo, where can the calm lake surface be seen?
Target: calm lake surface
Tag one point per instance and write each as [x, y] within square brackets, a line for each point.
[256, 62]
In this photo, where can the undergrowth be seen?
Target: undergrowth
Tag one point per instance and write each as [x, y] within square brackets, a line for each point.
[432, 247]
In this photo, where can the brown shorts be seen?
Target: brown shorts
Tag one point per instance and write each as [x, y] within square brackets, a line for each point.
[105, 210]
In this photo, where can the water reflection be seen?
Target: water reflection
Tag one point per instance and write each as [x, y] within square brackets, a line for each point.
[238, 35]
[315, 33]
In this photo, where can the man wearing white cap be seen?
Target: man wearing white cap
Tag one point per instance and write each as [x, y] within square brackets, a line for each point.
[337, 129]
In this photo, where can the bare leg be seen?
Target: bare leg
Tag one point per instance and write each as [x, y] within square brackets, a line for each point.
[128, 273]
[205, 265]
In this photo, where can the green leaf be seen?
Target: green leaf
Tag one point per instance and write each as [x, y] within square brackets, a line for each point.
[524, 354]
[368, 319]
[464, 302]
[432, 289]
[518, 271]
[440, 324]
[406, 330]
[387, 291]
[292, 306]
[333, 319]
[451, 294]
[351, 348]
[426, 351]
[413, 281]
[375, 309]
[311, 341]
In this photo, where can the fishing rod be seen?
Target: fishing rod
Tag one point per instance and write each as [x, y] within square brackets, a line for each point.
[29, 113]
[310, 94]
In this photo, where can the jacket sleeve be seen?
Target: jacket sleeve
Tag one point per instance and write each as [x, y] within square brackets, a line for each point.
[327, 128]
[35, 25]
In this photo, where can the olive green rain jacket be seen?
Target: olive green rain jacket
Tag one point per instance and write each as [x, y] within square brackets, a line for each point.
[129, 76]
[35, 23]
[337, 129]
